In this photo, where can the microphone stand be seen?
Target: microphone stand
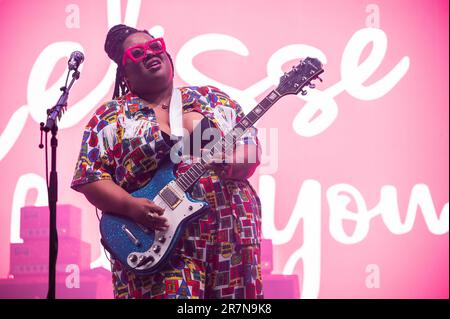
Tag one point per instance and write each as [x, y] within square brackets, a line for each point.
[51, 126]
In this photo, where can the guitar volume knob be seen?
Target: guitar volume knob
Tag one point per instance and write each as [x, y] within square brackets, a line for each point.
[156, 248]
[162, 239]
[133, 258]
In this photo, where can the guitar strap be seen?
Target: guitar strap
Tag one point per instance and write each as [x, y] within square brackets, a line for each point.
[176, 115]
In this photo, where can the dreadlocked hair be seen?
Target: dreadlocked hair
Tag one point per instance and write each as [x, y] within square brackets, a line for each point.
[120, 86]
[114, 48]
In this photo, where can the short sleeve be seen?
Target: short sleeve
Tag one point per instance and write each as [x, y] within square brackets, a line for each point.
[229, 112]
[96, 158]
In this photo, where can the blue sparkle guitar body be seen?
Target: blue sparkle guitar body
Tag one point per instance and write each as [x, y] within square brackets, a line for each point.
[146, 251]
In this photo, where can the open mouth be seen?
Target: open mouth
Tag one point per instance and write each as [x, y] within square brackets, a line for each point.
[153, 63]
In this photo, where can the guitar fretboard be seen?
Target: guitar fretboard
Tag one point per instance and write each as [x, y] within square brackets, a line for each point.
[227, 142]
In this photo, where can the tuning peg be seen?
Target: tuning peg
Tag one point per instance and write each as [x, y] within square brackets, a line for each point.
[285, 75]
[312, 85]
[303, 92]
[320, 79]
[294, 68]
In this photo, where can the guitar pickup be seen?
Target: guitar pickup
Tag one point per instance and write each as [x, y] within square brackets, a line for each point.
[170, 197]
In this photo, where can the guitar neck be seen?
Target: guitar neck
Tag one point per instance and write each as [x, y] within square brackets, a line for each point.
[227, 142]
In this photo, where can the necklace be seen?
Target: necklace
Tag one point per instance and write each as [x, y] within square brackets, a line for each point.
[164, 106]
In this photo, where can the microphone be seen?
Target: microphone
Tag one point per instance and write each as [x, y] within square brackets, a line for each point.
[76, 58]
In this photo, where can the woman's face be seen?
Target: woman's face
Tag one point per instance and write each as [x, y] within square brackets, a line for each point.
[152, 74]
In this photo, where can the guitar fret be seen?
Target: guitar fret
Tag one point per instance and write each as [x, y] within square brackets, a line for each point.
[179, 183]
[188, 177]
[195, 169]
[258, 110]
[182, 183]
[273, 96]
[188, 174]
[265, 103]
[239, 126]
[195, 173]
[186, 180]
[252, 117]
[245, 123]
[201, 166]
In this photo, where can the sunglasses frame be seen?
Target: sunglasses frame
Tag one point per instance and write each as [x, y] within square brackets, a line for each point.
[146, 47]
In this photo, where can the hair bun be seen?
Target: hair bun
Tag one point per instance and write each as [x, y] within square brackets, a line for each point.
[114, 41]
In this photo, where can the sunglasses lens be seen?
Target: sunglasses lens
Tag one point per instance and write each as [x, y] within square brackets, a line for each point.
[156, 47]
[138, 52]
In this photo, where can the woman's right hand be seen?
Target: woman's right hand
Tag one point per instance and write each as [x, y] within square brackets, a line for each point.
[147, 213]
[110, 197]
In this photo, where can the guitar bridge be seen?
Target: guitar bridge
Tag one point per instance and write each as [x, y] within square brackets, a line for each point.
[170, 197]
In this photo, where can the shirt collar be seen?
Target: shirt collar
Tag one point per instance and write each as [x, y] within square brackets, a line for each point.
[134, 103]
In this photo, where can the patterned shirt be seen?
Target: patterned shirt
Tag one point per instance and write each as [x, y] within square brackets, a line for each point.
[123, 142]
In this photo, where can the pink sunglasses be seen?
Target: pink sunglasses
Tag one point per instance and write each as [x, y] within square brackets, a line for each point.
[139, 52]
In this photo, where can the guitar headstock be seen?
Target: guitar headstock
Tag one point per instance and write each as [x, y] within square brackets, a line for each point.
[301, 75]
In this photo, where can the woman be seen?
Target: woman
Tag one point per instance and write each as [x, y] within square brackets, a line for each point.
[219, 254]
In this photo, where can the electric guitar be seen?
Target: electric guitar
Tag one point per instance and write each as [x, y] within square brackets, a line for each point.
[144, 251]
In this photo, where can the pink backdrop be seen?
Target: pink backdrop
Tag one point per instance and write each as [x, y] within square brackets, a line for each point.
[379, 144]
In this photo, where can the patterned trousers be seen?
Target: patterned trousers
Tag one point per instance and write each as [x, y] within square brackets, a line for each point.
[218, 255]
[230, 272]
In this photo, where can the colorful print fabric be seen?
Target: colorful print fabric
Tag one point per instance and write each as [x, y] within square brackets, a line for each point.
[219, 256]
